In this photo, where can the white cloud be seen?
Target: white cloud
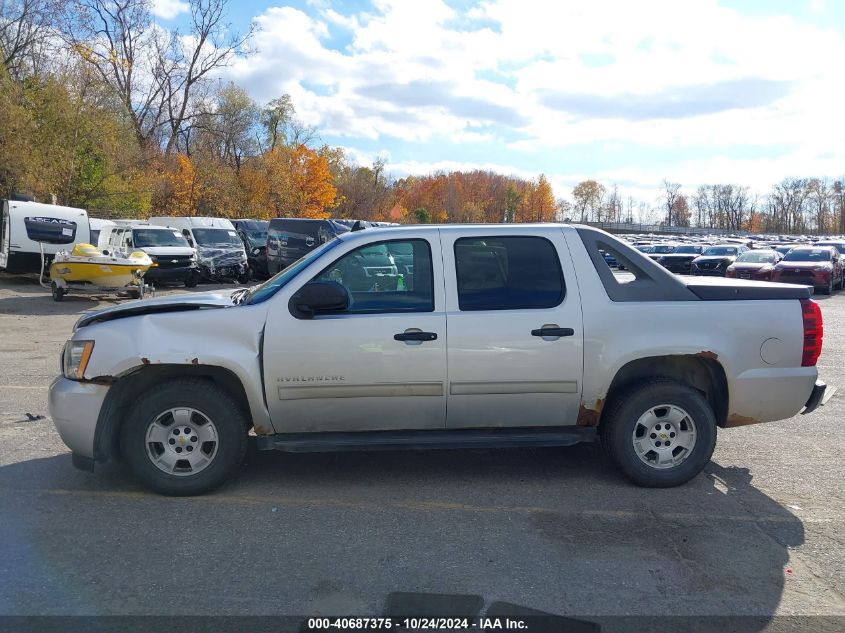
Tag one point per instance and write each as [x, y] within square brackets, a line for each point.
[169, 9]
[548, 75]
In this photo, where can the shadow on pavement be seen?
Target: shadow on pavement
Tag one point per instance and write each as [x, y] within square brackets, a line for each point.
[554, 530]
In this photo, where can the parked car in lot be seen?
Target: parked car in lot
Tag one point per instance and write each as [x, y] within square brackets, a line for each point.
[288, 239]
[220, 252]
[716, 259]
[816, 266]
[839, 245]
[173, 259]
[610, 259]
[253, 234]
[680, 259]
[525, 317]
[659, 250]
[757, 264]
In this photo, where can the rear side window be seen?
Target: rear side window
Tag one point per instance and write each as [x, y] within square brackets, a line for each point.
[508, 273]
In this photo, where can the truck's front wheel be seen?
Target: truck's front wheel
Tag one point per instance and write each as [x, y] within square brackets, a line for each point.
[660, 433]
[185, 437]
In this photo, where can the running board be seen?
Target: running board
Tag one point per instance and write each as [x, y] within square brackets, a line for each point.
[425, 440]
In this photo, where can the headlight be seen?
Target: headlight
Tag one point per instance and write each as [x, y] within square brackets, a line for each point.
[75, 358]
[731, 268]
[822, 268]
[766, 268]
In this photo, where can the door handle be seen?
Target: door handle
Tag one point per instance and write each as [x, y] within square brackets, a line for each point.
[553, 331]
[415, 336]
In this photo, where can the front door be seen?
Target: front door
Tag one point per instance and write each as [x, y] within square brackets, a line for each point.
[380, 364]
[515, 329]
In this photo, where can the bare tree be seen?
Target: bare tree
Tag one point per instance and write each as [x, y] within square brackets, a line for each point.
[672, 191]
[25, 30]
[212, 46]
[156, 73]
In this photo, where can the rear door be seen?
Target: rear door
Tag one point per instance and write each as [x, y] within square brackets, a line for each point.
[515, 328]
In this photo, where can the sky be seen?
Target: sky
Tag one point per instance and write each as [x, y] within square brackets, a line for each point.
[631, 93]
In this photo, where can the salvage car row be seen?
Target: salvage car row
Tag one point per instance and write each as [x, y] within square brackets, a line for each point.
[820, 265]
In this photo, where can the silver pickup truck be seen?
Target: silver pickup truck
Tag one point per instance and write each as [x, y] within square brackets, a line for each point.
[440, 337]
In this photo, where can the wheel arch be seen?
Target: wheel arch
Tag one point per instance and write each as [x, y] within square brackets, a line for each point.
[130, 384]
[701, 371]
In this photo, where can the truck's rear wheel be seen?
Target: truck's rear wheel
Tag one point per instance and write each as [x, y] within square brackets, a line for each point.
[184, 437]
[660, 433]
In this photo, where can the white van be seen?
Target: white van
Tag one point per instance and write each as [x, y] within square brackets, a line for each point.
[173, 259]
[220, 252]
[19, 253]
[96, 225]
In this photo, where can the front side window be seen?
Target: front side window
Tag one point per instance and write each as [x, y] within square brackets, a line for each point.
[508, 273]
[377, 284]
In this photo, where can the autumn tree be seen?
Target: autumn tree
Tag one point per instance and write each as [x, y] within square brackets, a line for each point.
[179, 188]
[587, 200]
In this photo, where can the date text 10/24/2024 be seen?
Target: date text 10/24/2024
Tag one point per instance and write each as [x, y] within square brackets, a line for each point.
[417, 623]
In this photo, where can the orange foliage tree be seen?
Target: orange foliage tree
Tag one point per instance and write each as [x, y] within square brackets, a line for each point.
[299, 182]
[179, 190]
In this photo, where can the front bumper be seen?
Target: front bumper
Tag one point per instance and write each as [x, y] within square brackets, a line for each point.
[708, 272]
[179, 273]
[74, 407]
[818, 398]
[226, 272]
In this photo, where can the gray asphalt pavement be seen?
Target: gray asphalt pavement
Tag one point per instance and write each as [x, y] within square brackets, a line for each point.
[761, 533]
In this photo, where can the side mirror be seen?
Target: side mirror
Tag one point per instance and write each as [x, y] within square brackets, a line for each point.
[318, 296]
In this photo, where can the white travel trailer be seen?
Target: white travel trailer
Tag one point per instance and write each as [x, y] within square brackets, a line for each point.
[19, 253]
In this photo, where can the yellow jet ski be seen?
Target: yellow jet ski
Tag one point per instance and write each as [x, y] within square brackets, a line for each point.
[86, 265]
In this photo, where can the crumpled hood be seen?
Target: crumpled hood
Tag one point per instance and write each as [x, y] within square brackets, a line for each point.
[175, 303]
[221, 256]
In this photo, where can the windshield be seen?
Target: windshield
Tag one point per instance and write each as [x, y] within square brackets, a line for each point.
[256, 238]
[719, 250]
[663, 248]
[216, 237]
[758, 257]
[145, 238]
[264, 291]
[807, 255]
[688, 249]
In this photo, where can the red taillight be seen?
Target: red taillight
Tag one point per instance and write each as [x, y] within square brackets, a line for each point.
[813, 332]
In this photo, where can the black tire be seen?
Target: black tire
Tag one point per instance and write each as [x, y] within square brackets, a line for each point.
[58, 293]
[216, 404]
[134, 293]
[620, 419]
[192, 279]
[828, 290]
